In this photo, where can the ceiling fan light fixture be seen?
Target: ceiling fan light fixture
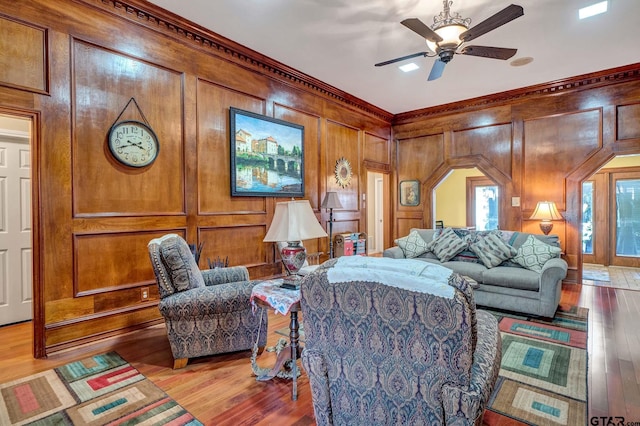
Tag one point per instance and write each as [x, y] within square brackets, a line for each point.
[450, 37]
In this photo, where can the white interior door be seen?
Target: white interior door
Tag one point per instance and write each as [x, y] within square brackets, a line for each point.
[15, 228]
[378, 216]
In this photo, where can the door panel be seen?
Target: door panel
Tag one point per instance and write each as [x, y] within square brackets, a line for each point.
[15, 230]
[625, 219]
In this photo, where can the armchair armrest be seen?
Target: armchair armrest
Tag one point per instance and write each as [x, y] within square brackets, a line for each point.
[225, 275]
[468, 404]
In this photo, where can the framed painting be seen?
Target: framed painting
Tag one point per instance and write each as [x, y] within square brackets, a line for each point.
[410, 193]
[267, 156]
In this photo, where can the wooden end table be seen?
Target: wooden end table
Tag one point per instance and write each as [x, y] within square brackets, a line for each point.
[269, 294]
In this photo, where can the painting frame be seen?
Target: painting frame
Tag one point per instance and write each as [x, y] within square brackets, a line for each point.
[410, 193]
[267, 156]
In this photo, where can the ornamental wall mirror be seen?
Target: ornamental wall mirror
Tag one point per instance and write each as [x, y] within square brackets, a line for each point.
[343, 172]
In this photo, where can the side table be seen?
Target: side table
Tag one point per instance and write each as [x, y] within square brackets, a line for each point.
[269, 294]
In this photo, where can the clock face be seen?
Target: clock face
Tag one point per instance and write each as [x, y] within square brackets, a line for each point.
[133, 143]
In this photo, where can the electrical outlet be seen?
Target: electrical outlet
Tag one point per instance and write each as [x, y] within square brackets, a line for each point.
[515, 201]
[144, 293]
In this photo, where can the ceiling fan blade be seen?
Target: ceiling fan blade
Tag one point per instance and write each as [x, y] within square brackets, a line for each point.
[417, 26]
[507, 14]
[436, 70]
[489, 52]
[391, 61]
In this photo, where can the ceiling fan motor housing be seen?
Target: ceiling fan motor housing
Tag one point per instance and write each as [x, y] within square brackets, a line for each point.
[446, 55]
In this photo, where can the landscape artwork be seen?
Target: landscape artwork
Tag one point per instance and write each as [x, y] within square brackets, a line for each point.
[267, 156]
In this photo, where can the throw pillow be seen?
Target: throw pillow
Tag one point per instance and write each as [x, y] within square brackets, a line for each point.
[447, 245]
[180, 264]
[492, 251]
[533, 254]
[413, 245]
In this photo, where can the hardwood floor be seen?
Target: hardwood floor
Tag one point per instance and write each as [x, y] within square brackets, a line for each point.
[221, 390]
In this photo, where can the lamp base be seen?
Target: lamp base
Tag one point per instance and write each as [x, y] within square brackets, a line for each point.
[293, 256]
[546, 227]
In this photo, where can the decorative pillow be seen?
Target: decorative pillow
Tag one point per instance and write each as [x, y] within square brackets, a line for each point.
[413, 245]
[178, 259]
[447, 245]
[492, 251]
[533, 254]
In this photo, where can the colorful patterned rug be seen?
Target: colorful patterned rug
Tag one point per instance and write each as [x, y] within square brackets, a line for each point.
[99, 390]
[543, 376]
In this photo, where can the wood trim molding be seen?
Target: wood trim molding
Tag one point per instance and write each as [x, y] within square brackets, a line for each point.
[158, 19]
[581, 82]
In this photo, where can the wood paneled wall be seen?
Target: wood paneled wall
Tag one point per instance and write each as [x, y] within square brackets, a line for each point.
[537, 143]
[72, 66]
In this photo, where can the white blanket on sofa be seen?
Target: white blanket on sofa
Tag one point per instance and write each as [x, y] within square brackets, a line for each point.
[408, 274]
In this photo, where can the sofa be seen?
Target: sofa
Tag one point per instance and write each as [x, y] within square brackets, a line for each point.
[396, 342]
[206, 312]
[514, 271]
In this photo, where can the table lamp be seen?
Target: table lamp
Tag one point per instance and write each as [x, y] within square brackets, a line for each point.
[331, 201]
[294, 221]
[545, 212]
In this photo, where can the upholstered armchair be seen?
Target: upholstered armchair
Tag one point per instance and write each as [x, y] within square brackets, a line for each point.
[396, 344]
[206, 312]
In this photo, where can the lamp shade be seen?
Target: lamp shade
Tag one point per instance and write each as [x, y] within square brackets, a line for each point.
[331, 201]
[546, 210]
[294, 221]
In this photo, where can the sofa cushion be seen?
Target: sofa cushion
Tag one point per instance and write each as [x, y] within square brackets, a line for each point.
[533, 254]
[413, 245]
[492, 251]
[181, 266]
[447, 245]
[518, 278]
[469, 269]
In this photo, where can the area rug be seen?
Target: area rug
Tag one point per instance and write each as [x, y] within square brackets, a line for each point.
[543, 375]
[99, 390]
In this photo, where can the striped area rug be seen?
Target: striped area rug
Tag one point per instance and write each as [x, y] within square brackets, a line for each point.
[99, 390]
[543, 375]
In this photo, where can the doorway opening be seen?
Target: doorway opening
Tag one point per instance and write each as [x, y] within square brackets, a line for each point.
[16, 255]
[376, 211]
[467, 198]
[611, 224]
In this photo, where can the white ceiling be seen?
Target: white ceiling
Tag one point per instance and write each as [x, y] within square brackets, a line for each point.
[339, 41]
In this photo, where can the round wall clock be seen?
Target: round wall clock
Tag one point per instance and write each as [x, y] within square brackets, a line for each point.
[133, 143]
[343, 172]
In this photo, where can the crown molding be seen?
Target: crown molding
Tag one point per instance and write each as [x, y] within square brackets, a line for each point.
[581, 82]
[158, 19]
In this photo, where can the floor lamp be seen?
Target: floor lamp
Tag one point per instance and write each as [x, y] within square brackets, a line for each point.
[331, 201]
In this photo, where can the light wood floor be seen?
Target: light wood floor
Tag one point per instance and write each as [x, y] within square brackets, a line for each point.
[221, 390]
[611, 276]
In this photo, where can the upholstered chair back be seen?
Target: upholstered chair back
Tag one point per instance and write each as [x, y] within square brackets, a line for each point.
[392, 342]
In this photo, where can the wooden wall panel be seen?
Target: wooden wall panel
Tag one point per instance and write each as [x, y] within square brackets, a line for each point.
[377, 149]
[490, 142]
[241, 244]
[313, 181]
[628, 125]
[24, 62]
[103, 84]
[214, 167]
[109, 262]
[342, 141]
[553, 146]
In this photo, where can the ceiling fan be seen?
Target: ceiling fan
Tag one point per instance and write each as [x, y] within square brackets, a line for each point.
[450, 31]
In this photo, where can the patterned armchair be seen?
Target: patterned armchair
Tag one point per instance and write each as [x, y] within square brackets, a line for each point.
[396, 344]
[206, 312]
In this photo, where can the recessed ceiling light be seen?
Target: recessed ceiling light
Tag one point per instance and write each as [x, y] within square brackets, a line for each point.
[409, 67]
[594, 9]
